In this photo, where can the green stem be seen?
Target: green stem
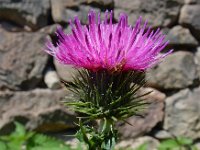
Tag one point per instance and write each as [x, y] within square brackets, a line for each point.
[105, 125]
[102, 139]
[106, 129]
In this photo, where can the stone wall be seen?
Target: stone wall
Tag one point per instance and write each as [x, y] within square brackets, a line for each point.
[29, 79]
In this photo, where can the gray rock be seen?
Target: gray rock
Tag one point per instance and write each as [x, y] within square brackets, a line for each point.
[197, 145]
[152, 143]
[70, 139]
[162, 134]
[22, 60]
[104, 3]
[52, 80]
[179, 36]
[152, 116]
[192, 1]
[74, 143]
[62, 11]
[197, 61]
[132, 5]
[190, 17]
[38, 109]
[158, 13]
[10, 26]
[58, 8]
[182, 113]
[26, 12]
[51, 29]
[131, 16]
[62, 14]
[177, 71]
[65, 72]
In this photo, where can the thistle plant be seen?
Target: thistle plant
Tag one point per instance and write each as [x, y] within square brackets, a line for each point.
[112, 59]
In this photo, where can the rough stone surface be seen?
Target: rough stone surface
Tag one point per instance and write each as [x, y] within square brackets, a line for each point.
[152, 143]
[158, 13]
[197, 61]
[58, 7]
[70, 139]
[22, 60]
[10, 26]
[39, 108]
[190, 17]
[179, 36]
[176, 71]
[162, 134]
[153, 115]
[182, 113]
[51, 29]
[192, 1]
[62, 10]
[65, 72]
[104, 3]
[197, 145]
[52, 80]
[33, 13]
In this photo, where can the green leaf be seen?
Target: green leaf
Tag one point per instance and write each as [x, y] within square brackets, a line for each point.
[15, 145]
[168, 144]
[193, 147]
[3, 146]
[50, 148]
[43, 142]
[142, 147]
[79, 136]
[15, 140]
[30, 141]
[184, 141]
[20, 130]
[109, 145]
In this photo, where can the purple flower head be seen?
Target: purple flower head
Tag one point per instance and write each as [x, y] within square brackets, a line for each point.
[102, 45]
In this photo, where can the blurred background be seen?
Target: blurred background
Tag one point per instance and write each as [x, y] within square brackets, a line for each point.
[30, 88]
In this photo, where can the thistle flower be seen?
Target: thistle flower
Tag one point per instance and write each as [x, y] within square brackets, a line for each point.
[103, 48]
[102, 45]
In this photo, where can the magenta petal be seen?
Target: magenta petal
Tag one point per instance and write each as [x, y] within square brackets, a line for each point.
[104, 45]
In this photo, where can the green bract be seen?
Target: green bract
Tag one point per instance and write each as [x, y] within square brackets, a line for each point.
[106, 95]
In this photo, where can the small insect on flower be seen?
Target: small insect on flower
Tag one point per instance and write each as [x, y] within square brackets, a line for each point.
[103, 45]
